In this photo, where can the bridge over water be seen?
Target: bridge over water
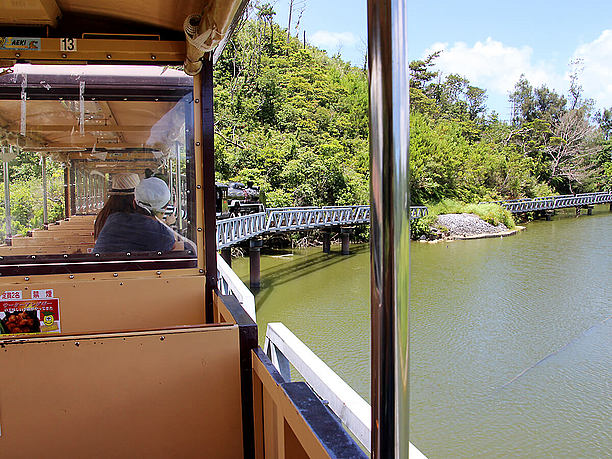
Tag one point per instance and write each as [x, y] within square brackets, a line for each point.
[550, 203]
[235, 230]
[232, 231]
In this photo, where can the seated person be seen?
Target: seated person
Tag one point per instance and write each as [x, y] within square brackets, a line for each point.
[135, 228]
[121, 199]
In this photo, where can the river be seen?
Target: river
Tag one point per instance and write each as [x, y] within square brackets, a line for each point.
[510, 338]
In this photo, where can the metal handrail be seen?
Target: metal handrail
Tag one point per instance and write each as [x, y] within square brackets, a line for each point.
[285, 349]
[554, 202]
[229, 283]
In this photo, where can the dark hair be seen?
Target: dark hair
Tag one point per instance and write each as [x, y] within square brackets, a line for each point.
[115, 203]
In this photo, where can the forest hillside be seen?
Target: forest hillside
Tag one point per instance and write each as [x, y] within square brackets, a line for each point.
[295, 121]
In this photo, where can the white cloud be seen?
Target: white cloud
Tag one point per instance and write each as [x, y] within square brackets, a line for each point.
[332, 41]
[494, 66]
[596, 78]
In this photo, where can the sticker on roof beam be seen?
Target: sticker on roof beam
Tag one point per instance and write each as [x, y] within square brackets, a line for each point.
[32, 44]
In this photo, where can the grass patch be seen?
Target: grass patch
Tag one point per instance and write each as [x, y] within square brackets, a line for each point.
[491, 213]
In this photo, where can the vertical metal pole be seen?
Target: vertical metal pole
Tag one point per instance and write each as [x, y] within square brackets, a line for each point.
[67, 204]
[171, 179]
[179, 204]
[390, 229]
[88, 192]
[44, 186]
[73, 195]
[7, 199]
[77, 190]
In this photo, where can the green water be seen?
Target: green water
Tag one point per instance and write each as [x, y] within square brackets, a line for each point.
[482, 313]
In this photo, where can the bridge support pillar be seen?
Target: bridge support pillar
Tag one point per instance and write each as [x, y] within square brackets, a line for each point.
[589, 210]
[326, 235]
[344, 235]
[578, 211]
[254, 263]
[226, 254]
[611, 207]
[549, 214]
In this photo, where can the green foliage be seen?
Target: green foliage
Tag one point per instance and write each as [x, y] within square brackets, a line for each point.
[491, 213]
[292, 120]
[26, 194]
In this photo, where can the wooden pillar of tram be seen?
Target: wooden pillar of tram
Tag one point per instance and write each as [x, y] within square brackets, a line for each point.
[208, 186]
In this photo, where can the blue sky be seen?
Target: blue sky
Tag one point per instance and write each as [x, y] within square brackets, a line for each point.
[490, 42]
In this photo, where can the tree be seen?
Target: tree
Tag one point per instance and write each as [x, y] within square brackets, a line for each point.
[572, 148]
[529, 103]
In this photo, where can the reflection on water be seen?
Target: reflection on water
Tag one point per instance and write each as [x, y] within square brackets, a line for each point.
[510, 338]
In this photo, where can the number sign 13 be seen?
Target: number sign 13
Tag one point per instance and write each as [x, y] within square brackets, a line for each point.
[68, 44]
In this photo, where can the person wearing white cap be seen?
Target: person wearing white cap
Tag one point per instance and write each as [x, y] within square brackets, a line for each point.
[135, 228]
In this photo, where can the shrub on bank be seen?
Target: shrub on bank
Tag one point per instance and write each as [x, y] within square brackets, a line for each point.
[491, 213]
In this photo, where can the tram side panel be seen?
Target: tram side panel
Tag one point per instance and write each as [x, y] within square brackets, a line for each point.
[156, 394]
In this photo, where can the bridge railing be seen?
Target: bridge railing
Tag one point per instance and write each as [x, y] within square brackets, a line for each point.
[231, 231]
[285, 349]
[237, 229]
[310, 218]
[555, 202]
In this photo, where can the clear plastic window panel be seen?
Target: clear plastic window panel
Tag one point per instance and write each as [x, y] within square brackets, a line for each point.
[81, 144]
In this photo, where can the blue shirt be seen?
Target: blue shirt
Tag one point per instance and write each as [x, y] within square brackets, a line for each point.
[132, 232]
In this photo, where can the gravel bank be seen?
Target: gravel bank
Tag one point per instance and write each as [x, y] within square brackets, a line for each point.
[463, 225]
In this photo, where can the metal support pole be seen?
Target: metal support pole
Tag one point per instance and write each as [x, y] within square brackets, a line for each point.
[44, 187]
[73, 194]
[88, 192]
[171, 181]
[7, 202]
[326, 235]
[390, 229]
[67, 205]
[254, 263]
[179, 204]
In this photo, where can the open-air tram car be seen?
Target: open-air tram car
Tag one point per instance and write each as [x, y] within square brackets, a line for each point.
[136, 354]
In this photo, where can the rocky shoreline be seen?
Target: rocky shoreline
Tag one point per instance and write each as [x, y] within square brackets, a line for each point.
[466, 226]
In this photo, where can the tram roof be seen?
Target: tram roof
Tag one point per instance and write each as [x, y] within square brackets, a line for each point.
[160, 15]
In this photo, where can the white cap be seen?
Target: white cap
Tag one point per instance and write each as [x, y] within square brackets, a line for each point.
[152, 194]
[123, 182]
